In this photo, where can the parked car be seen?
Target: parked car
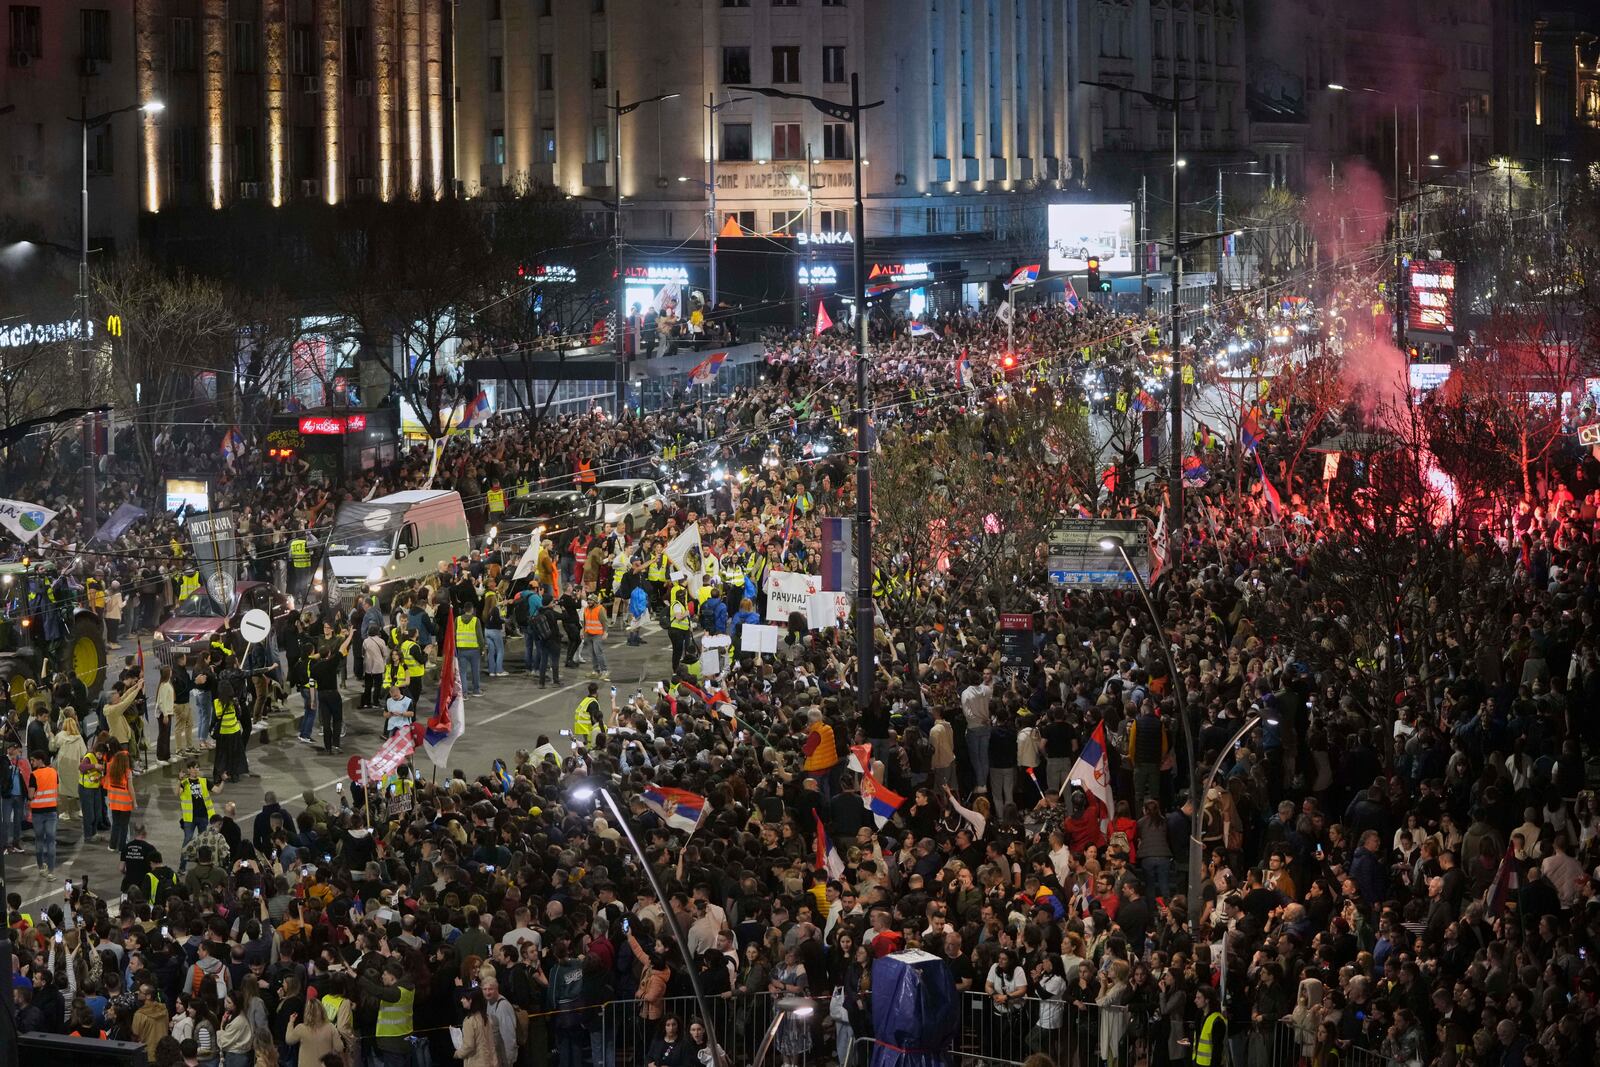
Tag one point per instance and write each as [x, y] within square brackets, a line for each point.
[628, 501]
[557, 510]
[199, 618]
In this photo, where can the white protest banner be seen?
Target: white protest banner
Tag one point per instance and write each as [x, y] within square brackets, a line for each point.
[827, 609]
[23, 519]
[788, 592]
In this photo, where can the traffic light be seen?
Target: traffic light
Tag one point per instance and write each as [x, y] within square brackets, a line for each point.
[1095, 284]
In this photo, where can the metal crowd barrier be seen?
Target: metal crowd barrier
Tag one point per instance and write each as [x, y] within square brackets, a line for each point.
[1289, 1045]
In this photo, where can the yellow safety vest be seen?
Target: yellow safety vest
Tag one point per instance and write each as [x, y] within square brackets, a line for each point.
[186, 799]
[299, 553]
[414, 667]
[733, 574]
[331, 1005]
[583, 718]
[497, 500]
[466, 633]
[227, 717]
[680, 615]
[1204, 1046]
[90, 779]
[188, 584]
[394, 1019]
[395, 674]
[657, 570]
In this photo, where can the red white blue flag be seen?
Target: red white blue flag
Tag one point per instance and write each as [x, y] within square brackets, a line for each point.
[1093, 771]
[1024, 276]
[449, 719]
[678, 808]
[883, 803]
[827, 856]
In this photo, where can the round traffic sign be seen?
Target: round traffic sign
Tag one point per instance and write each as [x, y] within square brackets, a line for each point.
[255, 625]
[353, 768]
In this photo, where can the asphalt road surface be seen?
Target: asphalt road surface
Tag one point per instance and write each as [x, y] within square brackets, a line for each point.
[510, 714]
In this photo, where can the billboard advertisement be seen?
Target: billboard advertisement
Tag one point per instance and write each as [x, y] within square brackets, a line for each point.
[1079, 231]
[1431, 302]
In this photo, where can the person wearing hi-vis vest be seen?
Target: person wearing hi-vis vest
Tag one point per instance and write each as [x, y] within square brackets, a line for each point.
[594, 635]
[395, 996]
[302, 563]
[43, 792]
[587, 717]
[469, 650]
[1211, 1043]
[679, 620]
[194, 802]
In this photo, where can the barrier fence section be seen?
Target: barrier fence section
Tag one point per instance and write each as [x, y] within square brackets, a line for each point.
[1291, 1045]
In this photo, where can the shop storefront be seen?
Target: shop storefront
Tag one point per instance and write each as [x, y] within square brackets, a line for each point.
[336, 442]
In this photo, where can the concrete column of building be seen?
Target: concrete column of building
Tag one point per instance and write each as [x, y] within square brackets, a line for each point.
[386, 93]
[275, 74]
[214, 107]
[433, 59]
[330, 35]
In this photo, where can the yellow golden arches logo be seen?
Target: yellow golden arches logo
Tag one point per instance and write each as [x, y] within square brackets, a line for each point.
[114, 325]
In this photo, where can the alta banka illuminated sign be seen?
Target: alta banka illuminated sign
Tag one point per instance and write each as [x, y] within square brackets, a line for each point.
[826, 237]
[657, 274]
[41, 333]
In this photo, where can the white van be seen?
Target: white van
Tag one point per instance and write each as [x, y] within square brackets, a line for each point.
[395, 538]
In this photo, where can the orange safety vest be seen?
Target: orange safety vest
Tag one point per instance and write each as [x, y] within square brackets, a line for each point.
[580, 556]
[44, 789]
[119, 797]
[585, 472]
[592, 624]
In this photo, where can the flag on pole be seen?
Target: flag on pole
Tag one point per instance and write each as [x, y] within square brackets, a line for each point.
[449, 711]
[1024, 276]
[861, 759]
[1195, 472]
[961, 370]
[883, 803]
[530, 556]
[1269, 492]
[1093, 770]
[476, 411]
[1005, 312]
[393, 752]
[827, 856]
[678, 808]
[232, 445]
[685, 554]
[1073, 303]
[1506, 882]
[922, 329]
[705, 372]
[824, 323]
[1158, 546]
[1142, 400]
[1250, 429]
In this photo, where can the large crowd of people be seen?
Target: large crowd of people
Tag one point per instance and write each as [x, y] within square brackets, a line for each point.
[1399, 877]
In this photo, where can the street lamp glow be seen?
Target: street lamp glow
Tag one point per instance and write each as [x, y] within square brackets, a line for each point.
[153, 106]
[681, 178]
[1110, 543]
[1336, 87]
[583, 793]
[1433, 157]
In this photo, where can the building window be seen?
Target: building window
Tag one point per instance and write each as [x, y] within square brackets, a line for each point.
[303, 153]
[547, 72]
[833, 221]
[302, 50]
[95, 24]
[27, 38]
[544, 8]
[183, 46]
[599, 143]
[1182, 29]
[785, 3]
[497, 148]
[597, 70]
[745, 220]
[547, 144]
[597, 7]
[736, 142]
[185, 154]
[835, 140]
[247, 153]
[838, 3]
[497, 74]
[100, 149]
[833, 63]
[244, 48]
[786, 142]
[495, 14]
[785, 63]
[786, 222]
[355, 52]
[735, 3]
[930, 220]
[736, 65]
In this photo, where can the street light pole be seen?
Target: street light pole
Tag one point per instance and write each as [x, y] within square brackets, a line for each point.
[87, 122]
[619, 109]
[713, 226]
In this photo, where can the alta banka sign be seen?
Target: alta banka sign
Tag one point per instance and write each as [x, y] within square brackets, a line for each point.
[41, 333]
[826, 237]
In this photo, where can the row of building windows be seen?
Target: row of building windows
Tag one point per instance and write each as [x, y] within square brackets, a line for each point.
[736, 146]
[785, 69]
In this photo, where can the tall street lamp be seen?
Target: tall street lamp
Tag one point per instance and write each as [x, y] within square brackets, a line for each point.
[89, 122]
[1112, 543]
[587, 791]
[1211, 777]
[714, 225]
[1171, 102]
[865, 613]
[619, 109]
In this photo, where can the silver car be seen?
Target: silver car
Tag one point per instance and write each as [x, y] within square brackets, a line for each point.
[628, 501]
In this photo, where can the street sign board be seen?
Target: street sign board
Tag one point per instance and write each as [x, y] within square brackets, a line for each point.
[1078, 562]
[1590, 434]
[1016, 639]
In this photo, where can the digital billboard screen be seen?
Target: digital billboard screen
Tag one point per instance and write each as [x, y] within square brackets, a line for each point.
[1080, 231]
[1431, 302]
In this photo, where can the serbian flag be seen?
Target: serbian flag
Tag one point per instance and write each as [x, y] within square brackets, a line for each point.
[1269, 492]
[961, 370]
[476, 411]
[788, 526]
[878, 800]
[1024, 276]
[232, 445]
[823, 322]
[678, 808]
[861, 759]
[1506, 882]
[1142, 400]
[705, 372]
[1093, 771]
[449, 713]
[1250, 429]
[1073, 303]
[922, 329]
[827, 856]
[1195, 472]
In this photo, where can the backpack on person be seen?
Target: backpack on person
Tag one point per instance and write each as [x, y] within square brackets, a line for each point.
[566, 994]
[542, 626]
[708, 615]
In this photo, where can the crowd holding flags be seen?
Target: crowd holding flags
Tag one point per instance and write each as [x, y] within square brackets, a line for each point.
[1093, 770]
[705, 372]
[828, 858]
[449, 719]
[685, 555]
[882, 802]
[678, 808]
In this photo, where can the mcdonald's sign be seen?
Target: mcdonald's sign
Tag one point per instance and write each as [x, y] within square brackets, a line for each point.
[114, 325]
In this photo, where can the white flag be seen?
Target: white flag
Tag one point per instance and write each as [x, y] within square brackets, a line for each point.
[684, 553]
[1005, 312]
[530, 558]
[23, 519]
[1158, 546]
